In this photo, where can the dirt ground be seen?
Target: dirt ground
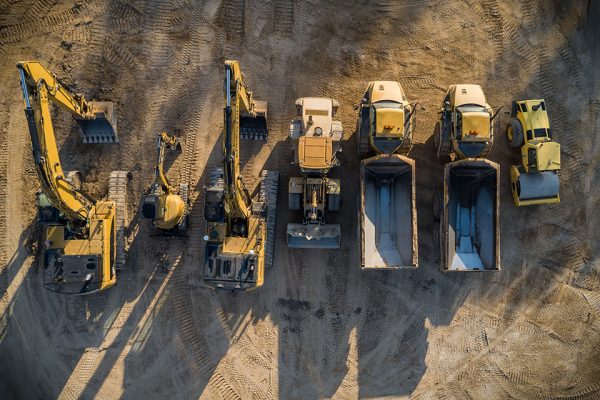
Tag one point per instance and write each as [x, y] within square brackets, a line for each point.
[319, 327]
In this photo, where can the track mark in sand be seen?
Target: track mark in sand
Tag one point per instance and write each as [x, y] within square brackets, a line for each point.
[530, 14]
[50, 23]
[235, 21]
[4, 153]
[219, 382]
[496, 23]
[284, 17]
[116, 54]
[39, 8]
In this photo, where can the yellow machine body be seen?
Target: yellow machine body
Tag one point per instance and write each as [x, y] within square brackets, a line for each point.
[386, 119]
[237, 235]
[315, 153]
[80, 236]
[535, 180]
[162, 203]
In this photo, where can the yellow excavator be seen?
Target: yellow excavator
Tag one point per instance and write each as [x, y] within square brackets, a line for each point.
[84, 238]
[240, 231]
[162, 203]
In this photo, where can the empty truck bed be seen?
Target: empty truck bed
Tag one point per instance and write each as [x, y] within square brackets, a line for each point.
[388, 220]
[470, 234]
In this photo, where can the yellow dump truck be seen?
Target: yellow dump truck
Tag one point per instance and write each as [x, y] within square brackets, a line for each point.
[468, 205]
[388, 216]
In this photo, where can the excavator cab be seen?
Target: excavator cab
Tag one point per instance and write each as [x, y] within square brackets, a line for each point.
[102, 128]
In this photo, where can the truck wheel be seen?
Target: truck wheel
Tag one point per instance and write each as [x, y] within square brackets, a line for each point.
[333, 203]
[294, 200]
[514, 133]
[438, 204]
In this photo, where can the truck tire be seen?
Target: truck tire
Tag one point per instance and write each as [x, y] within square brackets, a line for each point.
[514, 133]
[333, 203]
[294, 200]
[442, 144]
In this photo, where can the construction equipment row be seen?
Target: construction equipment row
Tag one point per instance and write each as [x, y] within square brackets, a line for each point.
[84, 238]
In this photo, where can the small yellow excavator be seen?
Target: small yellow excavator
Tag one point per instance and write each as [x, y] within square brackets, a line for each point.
[162, 203]
[316, 141]
[240, 231]
[84, 238]
[536, 180]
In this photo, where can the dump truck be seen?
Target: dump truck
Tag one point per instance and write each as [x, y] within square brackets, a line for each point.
[388, 214]
[468, 204]
[316, 141]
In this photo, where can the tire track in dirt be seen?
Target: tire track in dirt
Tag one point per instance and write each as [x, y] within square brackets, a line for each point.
[26, 30]
[284, 17]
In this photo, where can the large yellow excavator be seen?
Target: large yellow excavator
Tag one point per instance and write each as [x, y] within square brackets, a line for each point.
[84, 238]
[240, 231]
[166, 206]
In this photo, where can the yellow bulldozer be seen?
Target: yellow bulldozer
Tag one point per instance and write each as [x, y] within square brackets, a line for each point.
[83, 237]
[316, 141]
[166, 206]
[240, 230]
[535, 181]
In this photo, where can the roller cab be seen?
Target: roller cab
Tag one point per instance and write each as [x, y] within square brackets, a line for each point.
[388, 216]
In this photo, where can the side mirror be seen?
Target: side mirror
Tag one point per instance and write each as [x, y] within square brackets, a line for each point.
[356, 107]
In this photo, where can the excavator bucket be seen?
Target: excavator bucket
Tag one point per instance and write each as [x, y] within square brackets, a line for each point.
[103, 128]
[255, 128]
[302, 236]
[534, 187]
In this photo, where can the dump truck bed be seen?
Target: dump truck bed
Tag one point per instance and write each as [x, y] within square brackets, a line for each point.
[470, 235]
[388, 216]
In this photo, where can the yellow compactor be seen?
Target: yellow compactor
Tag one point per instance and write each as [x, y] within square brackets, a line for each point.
[388, 214]
[240, 230]
[83, 237]
[468, 206]
[535, 181]
[166, 206]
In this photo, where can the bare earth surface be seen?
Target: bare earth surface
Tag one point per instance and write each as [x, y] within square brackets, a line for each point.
[319, 327]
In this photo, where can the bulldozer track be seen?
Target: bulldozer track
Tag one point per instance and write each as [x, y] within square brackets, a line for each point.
[40, 7]
[50, 23]
[117, 191]
[219, 382]
[269, 188]
[530, 12]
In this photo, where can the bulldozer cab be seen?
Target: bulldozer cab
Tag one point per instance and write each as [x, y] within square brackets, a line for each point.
[315, 154]
[317, 113]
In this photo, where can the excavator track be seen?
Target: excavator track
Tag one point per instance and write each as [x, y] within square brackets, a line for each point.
[183, 193]
[117, 192]
[269, 187]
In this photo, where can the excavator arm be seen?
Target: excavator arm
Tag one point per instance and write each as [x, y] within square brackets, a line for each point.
[39, 88]
[238, 101]
[164, 140]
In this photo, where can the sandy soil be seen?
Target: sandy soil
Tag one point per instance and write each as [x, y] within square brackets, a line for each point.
[320, 327]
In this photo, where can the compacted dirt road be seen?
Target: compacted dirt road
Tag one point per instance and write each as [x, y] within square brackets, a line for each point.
[319, 327]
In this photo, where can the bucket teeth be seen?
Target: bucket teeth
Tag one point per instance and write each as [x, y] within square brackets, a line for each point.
[254, 134]
[117, 192]
[268, 196]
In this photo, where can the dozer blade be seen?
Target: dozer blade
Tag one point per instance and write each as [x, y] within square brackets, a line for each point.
[301, 236]
[103, 128]
[538, 188]
[255, 128]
